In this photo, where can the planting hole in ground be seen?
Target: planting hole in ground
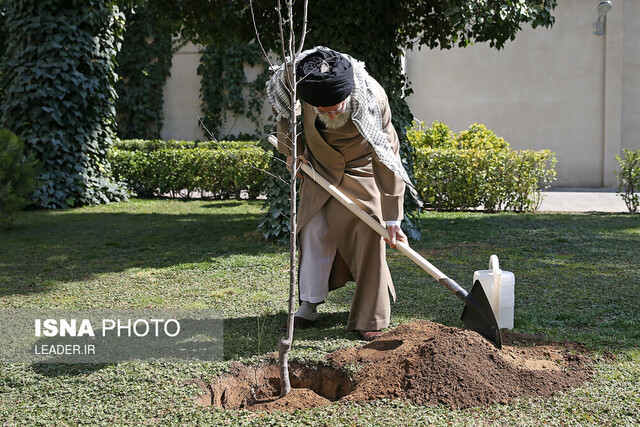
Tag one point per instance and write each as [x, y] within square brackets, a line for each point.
[423, 362]
[259, 387]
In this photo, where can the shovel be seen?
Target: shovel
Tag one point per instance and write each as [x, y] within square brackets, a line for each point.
[477, 314]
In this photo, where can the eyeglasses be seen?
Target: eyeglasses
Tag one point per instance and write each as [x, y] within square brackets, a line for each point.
[336, 111]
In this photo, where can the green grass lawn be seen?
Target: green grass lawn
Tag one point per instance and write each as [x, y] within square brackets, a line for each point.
[577, 279]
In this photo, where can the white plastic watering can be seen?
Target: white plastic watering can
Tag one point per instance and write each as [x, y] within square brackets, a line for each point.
[499, 286]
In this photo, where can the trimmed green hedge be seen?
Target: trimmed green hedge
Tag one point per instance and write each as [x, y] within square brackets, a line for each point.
[489, 174]
[159, 144]
[180, 168]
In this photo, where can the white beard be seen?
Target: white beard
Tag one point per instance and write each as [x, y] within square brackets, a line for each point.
[338, 121]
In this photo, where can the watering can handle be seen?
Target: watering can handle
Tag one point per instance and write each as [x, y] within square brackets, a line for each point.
[494, 264]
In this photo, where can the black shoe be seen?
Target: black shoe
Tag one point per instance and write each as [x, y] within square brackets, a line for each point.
[298, 323]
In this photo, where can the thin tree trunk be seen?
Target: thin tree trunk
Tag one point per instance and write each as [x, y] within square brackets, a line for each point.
[284, 345]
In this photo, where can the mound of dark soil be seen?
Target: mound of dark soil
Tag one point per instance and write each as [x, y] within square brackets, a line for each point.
[422, 362]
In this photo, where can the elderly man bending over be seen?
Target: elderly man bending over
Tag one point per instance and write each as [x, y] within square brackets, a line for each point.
[349, 139]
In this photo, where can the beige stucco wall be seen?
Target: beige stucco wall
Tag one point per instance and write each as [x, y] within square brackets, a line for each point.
[182, 102]
[631, 75]
[182, 97]
[546, 89]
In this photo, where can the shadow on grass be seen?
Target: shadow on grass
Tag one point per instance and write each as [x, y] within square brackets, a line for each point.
[229, 204]
[50, 247]
[256, 335]
[215, 203]
[54, 370]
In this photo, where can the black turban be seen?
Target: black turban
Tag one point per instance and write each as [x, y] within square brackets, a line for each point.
[325, 78]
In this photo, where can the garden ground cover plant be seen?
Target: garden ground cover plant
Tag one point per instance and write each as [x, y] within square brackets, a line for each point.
[576, 281]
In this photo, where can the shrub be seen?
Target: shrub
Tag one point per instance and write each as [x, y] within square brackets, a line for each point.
[17, 176]
[527, 174]
[275, 224]
[438, 135]
[479, 169]
[183, 171]
[443, 179]
[480, 138]
[629, 177]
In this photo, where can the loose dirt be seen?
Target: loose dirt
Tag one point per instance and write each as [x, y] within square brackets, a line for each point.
[422, 362]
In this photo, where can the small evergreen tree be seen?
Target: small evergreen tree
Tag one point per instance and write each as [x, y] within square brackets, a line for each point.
[17, 177]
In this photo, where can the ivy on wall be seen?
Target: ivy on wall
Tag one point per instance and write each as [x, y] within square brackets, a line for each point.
[59, 96]
[144, 64]
[225, 87]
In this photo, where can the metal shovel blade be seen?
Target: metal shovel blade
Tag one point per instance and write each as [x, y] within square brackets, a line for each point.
[478, 315]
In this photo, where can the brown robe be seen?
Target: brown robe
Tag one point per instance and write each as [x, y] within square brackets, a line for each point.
[348, 161]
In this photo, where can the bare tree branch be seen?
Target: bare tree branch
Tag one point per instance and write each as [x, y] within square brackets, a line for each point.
[281, 25]
[213, 138]
[255, 28]
[272, 66]
[303, 35]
